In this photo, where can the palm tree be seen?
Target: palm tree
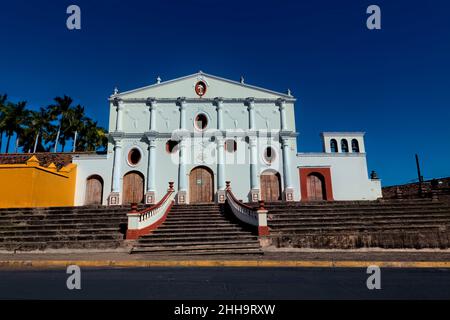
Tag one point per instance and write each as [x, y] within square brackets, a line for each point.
[38, 122]
[92, 137]
[74, 123]
[3, 111]
[60, 110]
[16, 113]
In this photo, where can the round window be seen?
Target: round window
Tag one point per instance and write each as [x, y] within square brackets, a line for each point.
[172, 146]
[269, 155]
[134, 156]
[201, 121]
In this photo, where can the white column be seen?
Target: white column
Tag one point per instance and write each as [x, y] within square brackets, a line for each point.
[182, 103]
[219, 108]
[153, 105]
[119, 120]
[182, 182]
[151, 173]
[151, 166]
[288, 189]
[221, 185]
[117, 169]
[220, 163]
[251, 113]
[282, 106]
[254, 181]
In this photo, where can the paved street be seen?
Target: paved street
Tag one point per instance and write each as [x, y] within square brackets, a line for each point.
[226, 283]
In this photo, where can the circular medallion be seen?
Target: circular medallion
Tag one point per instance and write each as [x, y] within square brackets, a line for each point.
[200, 88]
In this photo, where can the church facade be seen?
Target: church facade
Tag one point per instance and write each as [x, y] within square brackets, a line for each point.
[200, 131]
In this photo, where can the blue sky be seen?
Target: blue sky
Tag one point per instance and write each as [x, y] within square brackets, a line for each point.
[392, 83]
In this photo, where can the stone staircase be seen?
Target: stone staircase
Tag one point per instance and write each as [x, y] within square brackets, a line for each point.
[201, 229]
[346, 225]
[26, 229]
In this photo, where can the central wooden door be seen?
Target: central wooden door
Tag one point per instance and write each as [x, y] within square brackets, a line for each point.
[270, 187]
[94, 190]
[201, 185]
[316, 188]
[133, 188]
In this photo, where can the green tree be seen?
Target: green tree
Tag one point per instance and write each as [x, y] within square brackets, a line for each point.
[3, 112]
[16, 115]
[60, 111]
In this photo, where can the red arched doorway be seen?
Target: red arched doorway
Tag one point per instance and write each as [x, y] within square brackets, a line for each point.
[201, 185]
[316, 187]
[94, 190]
[270, 186]
[133, 188]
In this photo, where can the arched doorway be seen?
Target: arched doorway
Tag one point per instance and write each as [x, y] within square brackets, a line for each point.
[133, 188]
[201, 185]
[316, 187]
[94, 190]
[270, 186]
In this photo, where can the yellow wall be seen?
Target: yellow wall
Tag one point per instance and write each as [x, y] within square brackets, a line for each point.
[30, 185]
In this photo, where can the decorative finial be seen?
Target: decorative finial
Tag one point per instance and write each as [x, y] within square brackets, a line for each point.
[200, 71]
[289, 92]
[158, 79]
[242, 79]
[116, 90]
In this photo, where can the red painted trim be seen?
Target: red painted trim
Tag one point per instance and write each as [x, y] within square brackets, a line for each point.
[134, 234]
[325, 172]
[263, 231]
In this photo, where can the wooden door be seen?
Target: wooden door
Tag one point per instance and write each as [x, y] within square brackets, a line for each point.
[315, 186]
[94, 190]
[133, 188]
[270, 187]
[201, 185]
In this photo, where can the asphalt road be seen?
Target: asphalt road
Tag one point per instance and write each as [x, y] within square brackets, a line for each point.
[226, 283]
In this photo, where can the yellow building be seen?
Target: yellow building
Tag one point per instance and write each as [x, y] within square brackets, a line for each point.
[32, 185]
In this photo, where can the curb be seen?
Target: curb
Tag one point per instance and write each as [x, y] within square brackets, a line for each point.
[42, 264]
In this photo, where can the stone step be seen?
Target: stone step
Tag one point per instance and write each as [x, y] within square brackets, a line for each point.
[64, 222]
[224, 252]
[356, 209]
[191, 248]
[81, 244]
[63, 215]
[60, 232]
[50, 238]
[36, 227]
[196, 230]
[205, 225]
[363, 220]
[187, 243]
[360, 225]
[300, 215]
[358, 228]
[195, 238]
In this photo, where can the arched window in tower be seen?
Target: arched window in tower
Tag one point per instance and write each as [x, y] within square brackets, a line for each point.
[355, 146]
[201, 121]
[344, 145]
[333, 145]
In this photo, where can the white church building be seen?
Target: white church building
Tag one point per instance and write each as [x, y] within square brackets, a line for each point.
[200, 131]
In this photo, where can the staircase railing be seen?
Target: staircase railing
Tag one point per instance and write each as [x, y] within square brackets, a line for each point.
[142, 222]
[253, 216]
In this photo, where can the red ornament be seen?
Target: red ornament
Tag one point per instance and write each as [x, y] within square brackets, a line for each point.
[200, 88]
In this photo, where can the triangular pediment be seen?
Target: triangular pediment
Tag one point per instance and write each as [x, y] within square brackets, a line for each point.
[215, 87]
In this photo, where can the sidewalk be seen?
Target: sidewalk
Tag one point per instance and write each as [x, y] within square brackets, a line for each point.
[307, 258]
